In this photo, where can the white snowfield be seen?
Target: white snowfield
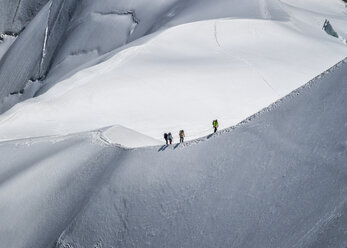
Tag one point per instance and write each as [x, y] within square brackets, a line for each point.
[278, 179]
[82, 159]
[235, 60]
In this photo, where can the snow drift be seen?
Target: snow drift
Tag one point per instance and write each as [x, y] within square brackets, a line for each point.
[280, 172]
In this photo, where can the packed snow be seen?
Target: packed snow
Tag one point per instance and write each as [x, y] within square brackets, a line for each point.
[166, 66]
[278, 179]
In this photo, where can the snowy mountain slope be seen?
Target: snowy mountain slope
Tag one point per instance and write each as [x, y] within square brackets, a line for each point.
[181, 77]
[283, 171]
[135, 20]
[77, 25]
[159, 86]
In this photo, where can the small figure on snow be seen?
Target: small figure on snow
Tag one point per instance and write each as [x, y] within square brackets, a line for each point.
[169, 137]
[166, 138]
[215, 125]
[181, 134]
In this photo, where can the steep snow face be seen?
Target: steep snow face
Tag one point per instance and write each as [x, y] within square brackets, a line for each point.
[16, 14]
[282, 171]
[23, 57]
[31, 53]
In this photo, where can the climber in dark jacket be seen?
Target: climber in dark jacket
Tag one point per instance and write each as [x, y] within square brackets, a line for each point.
[166, 138]
[181, 134]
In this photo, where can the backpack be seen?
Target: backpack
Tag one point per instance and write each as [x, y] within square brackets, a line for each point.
[165, 135]
[215, 123]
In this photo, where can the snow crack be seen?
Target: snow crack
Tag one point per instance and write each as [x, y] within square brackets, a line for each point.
[16, 11]
[216, 34]
[132, 13]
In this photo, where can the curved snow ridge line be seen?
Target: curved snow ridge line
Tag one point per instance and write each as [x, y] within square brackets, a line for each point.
[106, 141]
[272, 106]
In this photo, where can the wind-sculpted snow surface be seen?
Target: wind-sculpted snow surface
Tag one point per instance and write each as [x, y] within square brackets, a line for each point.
[281, 172]
[279, 180]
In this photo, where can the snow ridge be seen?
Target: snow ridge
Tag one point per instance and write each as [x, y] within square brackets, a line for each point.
[234, 190]
[95, 193]
[269, 108]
